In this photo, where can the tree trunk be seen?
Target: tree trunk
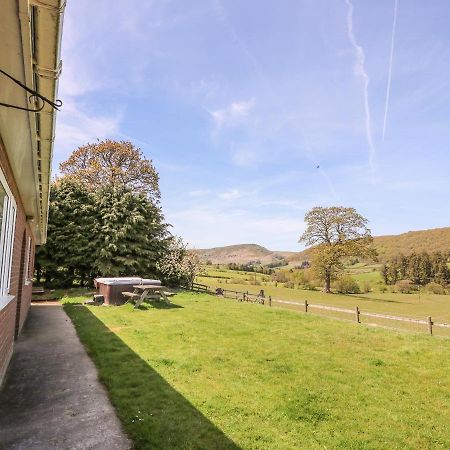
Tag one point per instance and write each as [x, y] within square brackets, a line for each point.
[327, 282]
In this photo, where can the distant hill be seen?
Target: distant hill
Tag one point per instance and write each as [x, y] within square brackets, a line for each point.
[241, 254]
[434, 240]
[437, 239]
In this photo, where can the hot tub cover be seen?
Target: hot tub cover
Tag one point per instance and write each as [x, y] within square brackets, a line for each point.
[126, 280]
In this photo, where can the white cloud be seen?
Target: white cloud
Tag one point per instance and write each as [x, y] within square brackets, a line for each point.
[233, 114]
[231, 194]
[199, 192]
[244, 156]
[210, 226]
[83, 75]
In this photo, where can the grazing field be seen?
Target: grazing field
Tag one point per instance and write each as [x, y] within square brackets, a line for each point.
[417, 305]
[215, 374]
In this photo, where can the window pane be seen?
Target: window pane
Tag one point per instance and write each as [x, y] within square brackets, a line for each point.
[3, 198]
[2, 202]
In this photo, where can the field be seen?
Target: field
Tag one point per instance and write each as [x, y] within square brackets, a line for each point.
[213, 373]
[417, 305]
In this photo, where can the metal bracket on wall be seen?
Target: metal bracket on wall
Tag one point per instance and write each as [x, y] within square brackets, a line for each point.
[44, 5]
[34, 97]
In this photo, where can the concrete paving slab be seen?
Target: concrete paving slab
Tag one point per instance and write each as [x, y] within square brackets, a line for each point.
[52, 398]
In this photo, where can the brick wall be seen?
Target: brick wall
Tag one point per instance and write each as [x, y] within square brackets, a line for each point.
[13, 315]
[7, 326]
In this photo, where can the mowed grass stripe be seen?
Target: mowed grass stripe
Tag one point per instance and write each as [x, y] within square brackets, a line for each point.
[410, 305]
[219, 374]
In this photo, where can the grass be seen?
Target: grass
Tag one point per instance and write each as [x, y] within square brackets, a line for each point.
[216, 374]
[417, 305]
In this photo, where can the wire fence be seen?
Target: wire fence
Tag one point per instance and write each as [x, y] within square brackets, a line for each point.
[427, 324]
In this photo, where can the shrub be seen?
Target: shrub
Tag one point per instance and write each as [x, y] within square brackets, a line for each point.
[289, 284]
[280, 276]
[179, 266]
[405, 286]
[309, 286]
[383, 288]
[347, 285]
[366, 286]
[435, 288]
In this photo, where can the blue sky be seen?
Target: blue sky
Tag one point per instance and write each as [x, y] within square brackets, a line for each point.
[254, 112]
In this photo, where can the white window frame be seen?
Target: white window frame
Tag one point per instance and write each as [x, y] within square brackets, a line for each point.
[26, 272]
[7, 231]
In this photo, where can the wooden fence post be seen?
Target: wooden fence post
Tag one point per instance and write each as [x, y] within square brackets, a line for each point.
[270, 300]
[243, 296]
[430, 325]
[236, 295]
[357, 311]
[306, 305]
[246, 296]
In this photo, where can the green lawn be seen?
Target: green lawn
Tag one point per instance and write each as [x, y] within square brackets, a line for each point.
[217, 374]
[411, 305]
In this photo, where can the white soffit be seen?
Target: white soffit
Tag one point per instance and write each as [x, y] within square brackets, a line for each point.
[30, 52]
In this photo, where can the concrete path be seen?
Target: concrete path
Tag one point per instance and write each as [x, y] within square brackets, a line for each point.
[52, 398]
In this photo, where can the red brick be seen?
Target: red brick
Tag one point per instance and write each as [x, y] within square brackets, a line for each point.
[13, 316]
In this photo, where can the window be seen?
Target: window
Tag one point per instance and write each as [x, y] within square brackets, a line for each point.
[27, 273]
[7, 226]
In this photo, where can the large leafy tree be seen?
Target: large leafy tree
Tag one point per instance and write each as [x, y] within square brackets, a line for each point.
[108, 232]
[104, 217]
[130, 233]
[335, 233]
[70, 250]
[113, 163]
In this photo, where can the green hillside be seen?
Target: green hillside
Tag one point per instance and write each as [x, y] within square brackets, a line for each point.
[241, 253]
[434, 240]
[437, 239]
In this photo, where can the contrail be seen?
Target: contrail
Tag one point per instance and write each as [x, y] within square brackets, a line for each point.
[360, 71]
[388, 89]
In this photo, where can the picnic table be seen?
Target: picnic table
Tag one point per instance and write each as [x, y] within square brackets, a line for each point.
[147, 292]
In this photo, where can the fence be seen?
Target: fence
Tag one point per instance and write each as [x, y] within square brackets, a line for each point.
[201, 288]
[356, 314]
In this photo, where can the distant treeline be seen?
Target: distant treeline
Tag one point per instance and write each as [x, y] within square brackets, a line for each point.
[254, 266]
[420, 269]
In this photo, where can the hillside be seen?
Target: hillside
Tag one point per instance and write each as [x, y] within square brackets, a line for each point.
[241, 254]
[434, 240]
[437, 239]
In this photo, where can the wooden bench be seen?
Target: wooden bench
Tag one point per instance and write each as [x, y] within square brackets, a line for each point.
[147, 292]
[130, 295]
[38, 290]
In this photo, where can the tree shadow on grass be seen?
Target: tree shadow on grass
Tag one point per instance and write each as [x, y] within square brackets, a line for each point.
[158, 305]
[153, 413]
[376, 299]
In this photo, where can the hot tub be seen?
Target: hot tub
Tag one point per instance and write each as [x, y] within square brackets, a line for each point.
[112, 288]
